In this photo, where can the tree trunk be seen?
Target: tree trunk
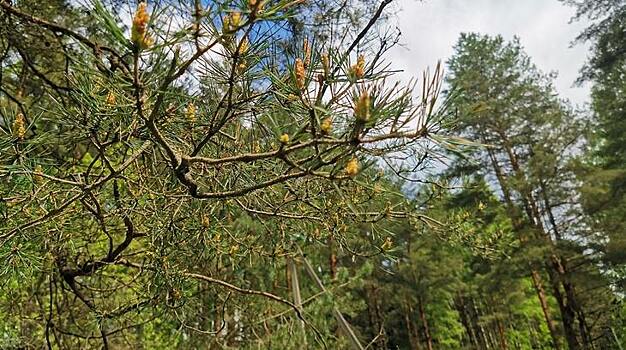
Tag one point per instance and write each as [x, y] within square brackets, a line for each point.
[479, 331]
[411, 327]
[427, 336]
[501, 335]
[556, 271]
[543, 301]
[465, 320]
[563, 270]
[567, 312]
[373, 309]
[517, 225]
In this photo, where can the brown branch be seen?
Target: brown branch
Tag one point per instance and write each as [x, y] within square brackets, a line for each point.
[39, 74]
[247, 291]
[58, 29]
[246, 190]
[59, 210]
[91, 266]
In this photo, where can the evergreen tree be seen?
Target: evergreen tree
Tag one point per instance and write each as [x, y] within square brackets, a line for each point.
[157, 179]
[530, 137]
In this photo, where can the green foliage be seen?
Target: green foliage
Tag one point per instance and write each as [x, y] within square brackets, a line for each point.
[603, 172]
[204, 177]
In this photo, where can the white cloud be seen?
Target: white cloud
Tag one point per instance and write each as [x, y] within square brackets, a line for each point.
[430, 29]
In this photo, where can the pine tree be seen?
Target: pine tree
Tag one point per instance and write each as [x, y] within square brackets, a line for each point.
[164, 174]
[530, 137]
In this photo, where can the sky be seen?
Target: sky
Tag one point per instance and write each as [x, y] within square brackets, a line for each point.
[430, 28]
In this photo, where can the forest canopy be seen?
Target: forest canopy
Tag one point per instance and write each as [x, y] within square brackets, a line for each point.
[251, 175]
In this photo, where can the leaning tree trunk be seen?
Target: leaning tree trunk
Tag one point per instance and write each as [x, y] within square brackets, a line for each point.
[543, 301]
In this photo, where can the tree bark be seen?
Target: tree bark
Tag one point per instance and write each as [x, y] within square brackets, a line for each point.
[465, 320]
[411, 327]
[427, 335]
[543, 301]
[502, 335]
